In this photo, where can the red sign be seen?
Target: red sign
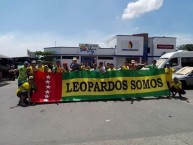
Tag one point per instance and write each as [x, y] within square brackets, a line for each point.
[162, 46]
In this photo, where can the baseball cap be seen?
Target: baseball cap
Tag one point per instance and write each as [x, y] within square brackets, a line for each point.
[31, 77]
[132, 61]
[33, 61]
[74, 58]
[25, 62]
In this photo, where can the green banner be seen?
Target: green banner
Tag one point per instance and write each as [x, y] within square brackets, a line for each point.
[88, 85]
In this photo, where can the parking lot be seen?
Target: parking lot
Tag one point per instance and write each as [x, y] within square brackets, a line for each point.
[147, 121]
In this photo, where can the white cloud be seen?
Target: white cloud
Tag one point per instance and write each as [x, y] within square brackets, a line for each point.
[135, 9]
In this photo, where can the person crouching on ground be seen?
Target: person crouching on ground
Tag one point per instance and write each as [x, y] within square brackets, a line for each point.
[24, 92]
[176, 87]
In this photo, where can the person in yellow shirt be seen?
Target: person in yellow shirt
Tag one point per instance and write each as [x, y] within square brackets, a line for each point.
[176, 87]
[168, 73]
[32, 68]
[125, 66]
[24, 91]
[40, 66]
[85, 66]
[58, 68]
[111, 67]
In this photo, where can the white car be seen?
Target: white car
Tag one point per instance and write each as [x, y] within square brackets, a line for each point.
[185, 75]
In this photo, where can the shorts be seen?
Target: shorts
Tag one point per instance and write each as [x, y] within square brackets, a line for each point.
[22, 93]
[20, 83]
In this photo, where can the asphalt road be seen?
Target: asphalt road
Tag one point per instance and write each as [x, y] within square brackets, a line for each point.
[138, 122]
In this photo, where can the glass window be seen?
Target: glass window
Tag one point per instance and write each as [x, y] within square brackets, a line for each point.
[174, 62]
[58, 57]
[106, 58]
[187, 61]
[69, 57]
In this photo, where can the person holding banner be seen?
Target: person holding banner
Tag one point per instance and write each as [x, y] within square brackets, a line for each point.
[111, 67]
[46, 69]
[32, 68]
[74, 65]
[94, 68]
[85, 66]
[24, 92]
[125, 66]
[168, 72]
[133, 65]
[65, 67]
[40, 66]
[101, 67]
[153, 65]
[58, 68]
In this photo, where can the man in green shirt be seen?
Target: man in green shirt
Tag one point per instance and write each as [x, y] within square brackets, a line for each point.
[153, 65]
[22, 74]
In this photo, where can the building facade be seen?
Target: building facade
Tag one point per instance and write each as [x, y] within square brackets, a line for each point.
[120, 48]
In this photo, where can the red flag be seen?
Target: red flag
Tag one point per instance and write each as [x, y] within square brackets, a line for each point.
[49, 87]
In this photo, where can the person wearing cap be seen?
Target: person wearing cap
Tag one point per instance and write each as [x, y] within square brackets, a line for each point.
[133, 65]
[176, 87]
[40, 66]
[22, 77]
[25, 90]
[74, 65]
[32, 68]
[58, 68]
[168, 73]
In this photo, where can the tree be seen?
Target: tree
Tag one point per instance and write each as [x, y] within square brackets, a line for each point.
[188, 47]
[46, 56]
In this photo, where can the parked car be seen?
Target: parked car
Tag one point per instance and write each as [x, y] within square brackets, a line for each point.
[185, 75]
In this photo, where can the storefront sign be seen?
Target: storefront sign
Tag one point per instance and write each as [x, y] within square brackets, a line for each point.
[88, 49]
[130, 45]
[163, 46]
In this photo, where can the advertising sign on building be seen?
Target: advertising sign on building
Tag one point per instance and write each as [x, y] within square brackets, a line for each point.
[165, 46]
[130, 45]
[88, 49]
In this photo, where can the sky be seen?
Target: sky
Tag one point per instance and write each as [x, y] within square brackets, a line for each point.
[36, 24]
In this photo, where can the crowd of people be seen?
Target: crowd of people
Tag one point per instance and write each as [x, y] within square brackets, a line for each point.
[26, 74]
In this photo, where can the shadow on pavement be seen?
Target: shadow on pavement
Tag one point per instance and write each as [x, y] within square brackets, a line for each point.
[117, 100]
[110, 100]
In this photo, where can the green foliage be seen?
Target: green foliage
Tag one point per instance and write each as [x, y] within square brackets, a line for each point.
[46, 56]
[188, 47]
